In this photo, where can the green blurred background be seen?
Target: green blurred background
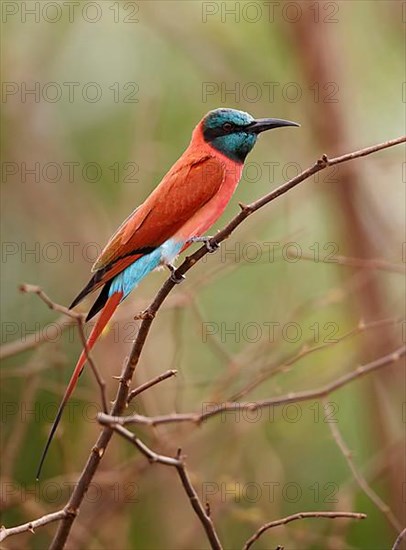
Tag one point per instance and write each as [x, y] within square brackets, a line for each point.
[118, 88]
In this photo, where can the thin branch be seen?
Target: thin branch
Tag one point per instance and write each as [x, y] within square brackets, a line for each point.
[62, 323]
[32, 525]
[120, 402]
[79, 318]
[33, 340]
[306, 350]
[256, 355]
[150, 383]
[359, 478]
[398, 541]
[178, 463]
[294, 397]
[300, 515]
[372, 263]
[34, 289]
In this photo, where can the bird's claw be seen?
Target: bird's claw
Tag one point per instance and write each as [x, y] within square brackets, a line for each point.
[211, 247]
[177, 279]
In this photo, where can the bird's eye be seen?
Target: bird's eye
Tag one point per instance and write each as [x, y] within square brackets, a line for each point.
[227, 126]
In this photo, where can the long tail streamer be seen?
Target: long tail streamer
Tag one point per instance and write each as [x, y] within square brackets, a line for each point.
[104, 318]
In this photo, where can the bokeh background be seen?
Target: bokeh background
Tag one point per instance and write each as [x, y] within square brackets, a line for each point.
[118, 88]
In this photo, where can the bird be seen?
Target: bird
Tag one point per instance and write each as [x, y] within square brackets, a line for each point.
[186, 203]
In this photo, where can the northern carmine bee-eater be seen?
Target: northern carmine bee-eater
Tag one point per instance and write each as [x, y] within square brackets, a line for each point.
[189, 199]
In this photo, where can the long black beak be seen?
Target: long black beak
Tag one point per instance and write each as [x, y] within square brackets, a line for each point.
[263, 124]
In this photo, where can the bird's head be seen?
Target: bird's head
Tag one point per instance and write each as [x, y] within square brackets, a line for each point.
[234, 133]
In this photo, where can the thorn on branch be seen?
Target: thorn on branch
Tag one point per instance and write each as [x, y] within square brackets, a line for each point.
[190, 260]
[143, 315]
[323, 161]
[71, 512]
[245, 208]
[25, 288]
[98, 451]
[396, 356]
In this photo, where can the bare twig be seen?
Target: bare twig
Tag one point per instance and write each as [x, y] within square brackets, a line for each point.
[32, 525]
[306, 350]
[257, 355]
[294, 397]
[79, 318]
[179, 464]
[398, 541]
[34, 289]
[31, 341]
[300, 515]
[359, 478]
[150, 383]
[372, 263]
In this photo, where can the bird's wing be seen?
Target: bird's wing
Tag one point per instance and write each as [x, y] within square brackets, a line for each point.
[186, 188]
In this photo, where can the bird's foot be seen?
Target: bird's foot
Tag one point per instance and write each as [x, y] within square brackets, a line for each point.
[211, 247]
[177, 279]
